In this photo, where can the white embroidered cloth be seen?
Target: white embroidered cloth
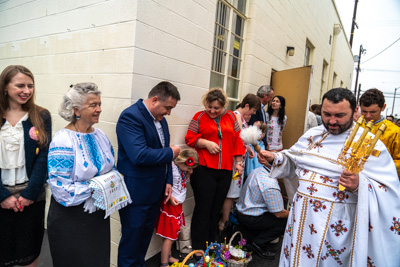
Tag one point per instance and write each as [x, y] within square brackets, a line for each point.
[109, 193]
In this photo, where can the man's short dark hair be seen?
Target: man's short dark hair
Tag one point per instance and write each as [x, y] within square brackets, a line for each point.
[372, 96]
[390, 116]
[337, 95]
[164, 90]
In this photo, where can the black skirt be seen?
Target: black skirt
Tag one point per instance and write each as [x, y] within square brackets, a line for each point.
[78, 238]
[21, 234]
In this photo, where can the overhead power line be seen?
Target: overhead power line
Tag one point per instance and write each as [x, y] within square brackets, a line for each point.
[364, 69]
[381, 51]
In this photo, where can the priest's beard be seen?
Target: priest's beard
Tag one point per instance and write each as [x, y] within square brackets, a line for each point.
[341, 127]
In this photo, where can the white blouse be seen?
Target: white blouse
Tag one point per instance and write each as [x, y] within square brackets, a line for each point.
[274, 132]
[12, 160]
[73, 159]
[179, 183]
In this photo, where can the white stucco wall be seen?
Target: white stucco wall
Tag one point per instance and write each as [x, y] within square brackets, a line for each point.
[274, 25]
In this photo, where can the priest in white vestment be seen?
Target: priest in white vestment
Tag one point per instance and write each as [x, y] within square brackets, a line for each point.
[359, 226]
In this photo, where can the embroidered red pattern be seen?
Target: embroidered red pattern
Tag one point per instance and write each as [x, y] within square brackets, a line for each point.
[340, 195]
[339, 228]
[396, 226]
[325, 179]
[307, 249]
[312, 229]
[317, 205]
[312, 189]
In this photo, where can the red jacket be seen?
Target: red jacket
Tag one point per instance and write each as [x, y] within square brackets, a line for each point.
[202, 126]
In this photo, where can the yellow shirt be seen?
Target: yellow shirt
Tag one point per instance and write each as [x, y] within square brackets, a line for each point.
[391, 139]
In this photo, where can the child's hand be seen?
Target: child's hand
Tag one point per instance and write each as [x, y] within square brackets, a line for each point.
[251, 152]
[173, 201]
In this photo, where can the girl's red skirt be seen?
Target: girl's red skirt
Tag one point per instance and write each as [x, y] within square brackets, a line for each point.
[170, 221]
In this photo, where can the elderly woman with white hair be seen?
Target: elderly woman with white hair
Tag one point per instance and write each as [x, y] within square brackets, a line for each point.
[78, 153]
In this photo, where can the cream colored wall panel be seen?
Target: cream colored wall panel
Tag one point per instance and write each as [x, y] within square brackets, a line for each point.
[150, 64]
[125, 60]
[104, 61]
[154, 247]
[51, 102]
[77, 63]
[107, 107]
[66, 42]
[55, 64]
[169, 45]
[114, 254]
[188, 206]
[109, 129]
[115, 229]
[117, 86]
[128, 10]
[119, 35]
[210, 5]
[90, 39]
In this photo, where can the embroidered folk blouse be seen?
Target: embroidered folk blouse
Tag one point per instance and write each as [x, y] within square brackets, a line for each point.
[179, 183]
[274, 133]
[73, 159]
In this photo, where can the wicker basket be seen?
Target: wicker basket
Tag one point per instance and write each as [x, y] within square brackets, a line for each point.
[235, 263]
[188, 256]
[217, 260]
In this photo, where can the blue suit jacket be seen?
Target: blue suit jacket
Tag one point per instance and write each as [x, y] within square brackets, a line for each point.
[145, 164]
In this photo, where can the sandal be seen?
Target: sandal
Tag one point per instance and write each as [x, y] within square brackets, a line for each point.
[164, 264]
[172, 262]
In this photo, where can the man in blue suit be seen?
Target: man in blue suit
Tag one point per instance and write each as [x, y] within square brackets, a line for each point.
[144, 158]
[265, 93]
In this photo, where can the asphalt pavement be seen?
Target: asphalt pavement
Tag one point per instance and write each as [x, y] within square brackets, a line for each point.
[45, 258]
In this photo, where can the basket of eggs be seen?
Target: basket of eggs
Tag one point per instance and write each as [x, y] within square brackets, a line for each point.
[236, 256]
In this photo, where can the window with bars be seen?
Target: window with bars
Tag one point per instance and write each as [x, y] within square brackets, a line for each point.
[227, 48]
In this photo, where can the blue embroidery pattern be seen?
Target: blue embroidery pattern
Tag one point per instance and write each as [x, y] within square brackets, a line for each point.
[93, 151]
[60, 163]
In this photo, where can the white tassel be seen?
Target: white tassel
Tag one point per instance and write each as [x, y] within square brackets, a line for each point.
[251, 134]
[89, 205]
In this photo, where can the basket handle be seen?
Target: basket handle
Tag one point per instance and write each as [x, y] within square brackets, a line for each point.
[190, 254]
[233, 236]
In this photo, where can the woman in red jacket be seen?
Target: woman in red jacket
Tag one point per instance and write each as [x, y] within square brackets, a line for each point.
[215, 134]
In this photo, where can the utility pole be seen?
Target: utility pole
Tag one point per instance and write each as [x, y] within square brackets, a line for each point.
[362, 51]
[353, 23]
[358, 93]
[394, 99]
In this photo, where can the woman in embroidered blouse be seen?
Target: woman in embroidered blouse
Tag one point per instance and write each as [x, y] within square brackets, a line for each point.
[276, 122]
[24, 138]
[215, 134]
[78, 153]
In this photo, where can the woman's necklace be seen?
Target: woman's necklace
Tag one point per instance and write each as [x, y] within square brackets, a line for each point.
[76, 129]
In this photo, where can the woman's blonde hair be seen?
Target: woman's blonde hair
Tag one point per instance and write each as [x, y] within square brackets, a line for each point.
[215, 94]
[185, 154]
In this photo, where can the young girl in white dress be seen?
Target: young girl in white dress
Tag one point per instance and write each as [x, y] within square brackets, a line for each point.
[171, 217]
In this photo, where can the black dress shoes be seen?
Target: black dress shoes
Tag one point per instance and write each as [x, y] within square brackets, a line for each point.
[260, 252]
